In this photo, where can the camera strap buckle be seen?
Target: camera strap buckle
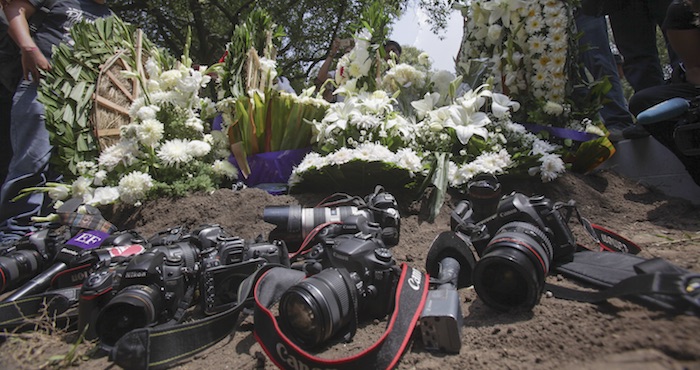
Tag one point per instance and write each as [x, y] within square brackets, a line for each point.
[383, 354]
[606, 239]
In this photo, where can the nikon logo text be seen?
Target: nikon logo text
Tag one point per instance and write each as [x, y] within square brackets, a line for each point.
[415, 279]
[292, 361]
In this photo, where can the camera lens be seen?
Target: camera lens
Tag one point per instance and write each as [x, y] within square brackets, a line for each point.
[18, 266]
[135, 306]
[315, 309]
[511, 272]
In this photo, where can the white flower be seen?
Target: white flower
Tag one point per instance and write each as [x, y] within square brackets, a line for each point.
[198, 148]
[174, 152]
[170, 79]
[553, 108]
[105, 195]
[195, 123]
[552, 166]
[501, 105]
[225, 168]
[424, 59]
[494, 33]
[441, 81]
[150, 132]
[147, 112]
[59, 192]
[81, 186]
[100, 177]
[467, 124]
[426, 104]
[124, 151]
[134, 186]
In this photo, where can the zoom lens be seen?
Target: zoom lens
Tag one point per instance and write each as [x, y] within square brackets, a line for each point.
[510, 275]
[315, 309]
[295, 222]
[18, 266]
[135, 306]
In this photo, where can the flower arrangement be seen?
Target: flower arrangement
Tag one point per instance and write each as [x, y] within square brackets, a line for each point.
[168, 147]
[256, 116]
[530, 48]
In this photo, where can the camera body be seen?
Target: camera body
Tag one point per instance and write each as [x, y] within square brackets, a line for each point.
[360, 283]
[295, 223]
[537, 210]
[227, 260]
[148, 290]
[517, 245]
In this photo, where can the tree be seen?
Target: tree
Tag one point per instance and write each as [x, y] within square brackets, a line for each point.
[310, 26]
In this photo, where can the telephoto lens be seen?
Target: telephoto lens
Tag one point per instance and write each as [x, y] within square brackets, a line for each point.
[511, 272]
[318, 307]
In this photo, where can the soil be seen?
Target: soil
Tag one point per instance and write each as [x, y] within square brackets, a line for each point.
[556, 334]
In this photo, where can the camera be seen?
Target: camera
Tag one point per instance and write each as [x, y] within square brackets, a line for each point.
[294, 223]
[228, 260]
[28, 257]
[360, 284]
[149, 290]
[518, 244]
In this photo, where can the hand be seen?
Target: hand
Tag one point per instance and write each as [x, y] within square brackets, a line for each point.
[334, 47]
[32, 61]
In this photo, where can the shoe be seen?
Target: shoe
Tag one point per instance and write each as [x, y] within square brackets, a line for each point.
[635, 132]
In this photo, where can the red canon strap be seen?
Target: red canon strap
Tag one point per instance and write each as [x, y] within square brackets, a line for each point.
[383, 354]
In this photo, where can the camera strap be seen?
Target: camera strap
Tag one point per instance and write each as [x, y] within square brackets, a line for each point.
[411, 294]
[655, 282]
[15, 314]
[162, 346]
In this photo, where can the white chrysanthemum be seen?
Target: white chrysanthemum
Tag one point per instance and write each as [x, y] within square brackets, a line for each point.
[537, 44]
[225, 168]
[534, 25]
[198, 148]
[169, 79]
[122, 152]
[341, 156]
[147, 112]
[553, 108]
[552, 166]
[174, 152]
[542, 147]
[81, 186]
[150, 132]
[408, 159]
[195, 123]
[134, 186]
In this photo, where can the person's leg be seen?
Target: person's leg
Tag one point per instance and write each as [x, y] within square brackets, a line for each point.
[635, 36]
[32, 149]
[598, 59]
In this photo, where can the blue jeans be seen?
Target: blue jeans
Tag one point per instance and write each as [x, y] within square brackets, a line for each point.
[29, 164]
[634, 27]
[598, 59]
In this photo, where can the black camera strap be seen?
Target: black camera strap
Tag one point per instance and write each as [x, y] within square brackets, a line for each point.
[383, 354]
[655, 282]
[18, 313]
[163, 346]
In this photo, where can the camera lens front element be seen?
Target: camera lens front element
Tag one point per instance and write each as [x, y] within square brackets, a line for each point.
[511, 272]
[317, 308]
[136, 306]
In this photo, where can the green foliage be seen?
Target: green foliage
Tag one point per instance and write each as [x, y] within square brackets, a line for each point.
[67, 89]
[309, 25]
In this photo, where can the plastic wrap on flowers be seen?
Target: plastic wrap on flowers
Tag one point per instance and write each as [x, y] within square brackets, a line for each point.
[271, 167]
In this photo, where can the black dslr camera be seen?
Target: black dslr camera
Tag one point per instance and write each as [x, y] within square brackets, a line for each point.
[148, 290]
[518, 243]
[360, 284]
[295, 223]
[228, 260]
